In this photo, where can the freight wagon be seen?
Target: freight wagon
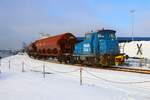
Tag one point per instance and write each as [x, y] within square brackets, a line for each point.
[59, 46]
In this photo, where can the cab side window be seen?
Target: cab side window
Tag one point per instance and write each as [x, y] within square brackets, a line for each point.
[100, 36]
[88, 36]
[112, 36]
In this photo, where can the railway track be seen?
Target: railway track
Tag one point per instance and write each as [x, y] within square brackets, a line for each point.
[114, 68]
[135, 70]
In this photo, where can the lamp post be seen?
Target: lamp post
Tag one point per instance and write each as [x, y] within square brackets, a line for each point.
[132, 17]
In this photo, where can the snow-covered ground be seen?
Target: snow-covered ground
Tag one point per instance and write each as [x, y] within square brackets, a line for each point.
[131, 48]
[63, 82]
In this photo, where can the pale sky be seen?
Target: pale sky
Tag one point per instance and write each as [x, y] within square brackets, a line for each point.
[23, 20]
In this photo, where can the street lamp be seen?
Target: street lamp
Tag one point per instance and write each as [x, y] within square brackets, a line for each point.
[132, 17]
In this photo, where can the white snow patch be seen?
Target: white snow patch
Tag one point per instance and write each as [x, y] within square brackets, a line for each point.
[131, 48]
[64, 82]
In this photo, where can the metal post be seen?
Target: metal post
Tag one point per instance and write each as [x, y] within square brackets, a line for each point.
[23, 66]
[145, 60]
[9, 64]
[0, 62]
[43, 70]
[140, 65]
[81, 76]
[0, 65]
[132, 12]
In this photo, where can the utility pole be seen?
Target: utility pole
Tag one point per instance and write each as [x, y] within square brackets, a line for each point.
[132, 18]
[0, 60]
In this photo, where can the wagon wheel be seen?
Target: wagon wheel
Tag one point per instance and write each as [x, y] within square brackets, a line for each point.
[60, 58]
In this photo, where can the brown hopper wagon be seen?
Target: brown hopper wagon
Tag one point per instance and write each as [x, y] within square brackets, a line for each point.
[59, 46]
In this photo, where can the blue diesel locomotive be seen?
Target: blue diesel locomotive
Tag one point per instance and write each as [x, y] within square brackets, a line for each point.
[100, 47]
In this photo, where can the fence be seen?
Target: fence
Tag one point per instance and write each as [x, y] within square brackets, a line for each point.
[143, 62]
[46, 69]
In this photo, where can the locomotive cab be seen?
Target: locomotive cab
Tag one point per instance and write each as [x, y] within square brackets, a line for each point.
[108, 43]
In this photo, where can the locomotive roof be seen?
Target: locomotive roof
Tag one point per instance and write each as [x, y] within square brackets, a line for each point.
[103, 31]
[106, 30]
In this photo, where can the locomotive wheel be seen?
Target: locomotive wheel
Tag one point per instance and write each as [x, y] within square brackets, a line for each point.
[107, 60]
[103, 61]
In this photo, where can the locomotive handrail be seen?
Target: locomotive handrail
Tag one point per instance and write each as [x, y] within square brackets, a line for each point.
[117, 82]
